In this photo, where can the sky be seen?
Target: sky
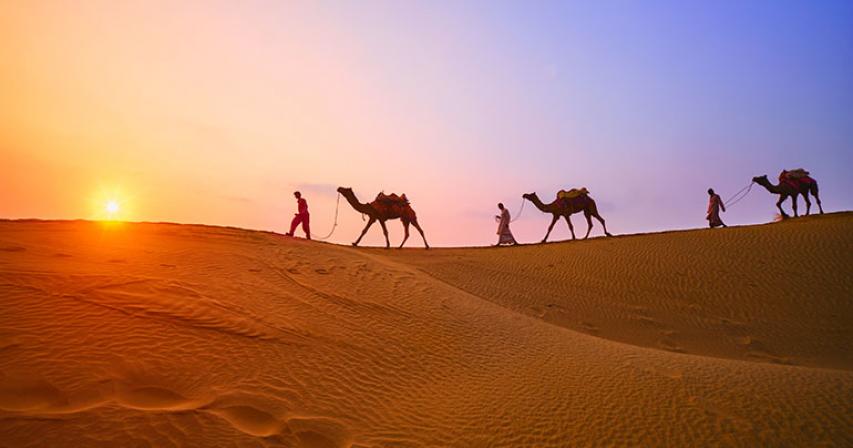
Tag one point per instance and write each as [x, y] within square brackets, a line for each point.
[215, 112]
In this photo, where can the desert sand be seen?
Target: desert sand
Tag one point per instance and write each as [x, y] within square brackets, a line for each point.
[161, 335]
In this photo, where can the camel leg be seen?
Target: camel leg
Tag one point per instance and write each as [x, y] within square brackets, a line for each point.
[553, 221]
[794, 204]
[782, 198]
[808, 203]
[588, 217]
[385, 232]
[601, 220]
[369, 223]
[406, 233]
[593, 210]
[817, 198]
[418, 227]
[571, 227]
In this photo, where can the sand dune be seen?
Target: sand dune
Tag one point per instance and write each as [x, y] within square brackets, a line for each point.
[140, 335]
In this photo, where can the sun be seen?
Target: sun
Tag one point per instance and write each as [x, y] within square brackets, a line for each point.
[111, 204]
[112, 210]
[112, 207]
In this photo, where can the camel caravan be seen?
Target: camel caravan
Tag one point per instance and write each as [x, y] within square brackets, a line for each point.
[392, 206]
[385, 207]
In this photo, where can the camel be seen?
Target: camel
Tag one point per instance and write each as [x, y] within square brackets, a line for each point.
[567, 207]
[383, 210]
[802, 186]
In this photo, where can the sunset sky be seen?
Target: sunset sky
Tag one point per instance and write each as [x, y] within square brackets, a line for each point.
[214, 112]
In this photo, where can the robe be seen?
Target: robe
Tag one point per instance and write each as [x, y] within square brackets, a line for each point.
[503, 228]
[714, 206]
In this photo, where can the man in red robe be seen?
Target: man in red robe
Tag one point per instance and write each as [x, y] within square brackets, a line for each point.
[301, 217]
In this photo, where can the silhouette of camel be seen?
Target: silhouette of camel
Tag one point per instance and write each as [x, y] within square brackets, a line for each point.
[382, 209]
[803, 186]
[567, 207]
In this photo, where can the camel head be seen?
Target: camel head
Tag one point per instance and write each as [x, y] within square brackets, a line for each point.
[344, 190]
[529, 196]
[760, 179]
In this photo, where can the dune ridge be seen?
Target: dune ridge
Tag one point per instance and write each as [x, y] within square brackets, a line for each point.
[173, 335]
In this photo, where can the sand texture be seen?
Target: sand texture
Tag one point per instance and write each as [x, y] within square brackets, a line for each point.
[164, 335]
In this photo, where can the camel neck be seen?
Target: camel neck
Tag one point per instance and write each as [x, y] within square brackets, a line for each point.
[358, 206]
[539, 204]
[769, 186]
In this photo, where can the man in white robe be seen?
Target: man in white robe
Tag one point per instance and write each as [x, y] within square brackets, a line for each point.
[504, 234]
[715, 204]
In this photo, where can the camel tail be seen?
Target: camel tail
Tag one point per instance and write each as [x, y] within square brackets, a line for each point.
[593, 207]
[410, 214]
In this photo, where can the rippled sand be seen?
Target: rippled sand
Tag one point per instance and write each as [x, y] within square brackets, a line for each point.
[161, 335]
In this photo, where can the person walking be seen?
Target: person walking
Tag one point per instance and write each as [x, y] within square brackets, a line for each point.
[504, 234]
[715, 204]
[301, 217]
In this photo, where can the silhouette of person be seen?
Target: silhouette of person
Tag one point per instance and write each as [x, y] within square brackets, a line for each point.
[301, 217]
[715, 203]
[504, 234]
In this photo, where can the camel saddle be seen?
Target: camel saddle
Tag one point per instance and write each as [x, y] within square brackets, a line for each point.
[573, 193]
[392, 199]
[795, 178]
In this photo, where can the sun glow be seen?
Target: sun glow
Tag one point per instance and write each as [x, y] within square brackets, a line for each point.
[110, 204]
[111, 207]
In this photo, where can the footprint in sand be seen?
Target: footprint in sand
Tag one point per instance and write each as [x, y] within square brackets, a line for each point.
[28, 393]
[669, 345]
[164, 265]
[755, 349]
[744, 340]
[730, 322]
[153, 398]
[589, 327]
[649, 321]
[250, 420]
[315, 432]
[13, 249]
[318, 432]
[254, 270]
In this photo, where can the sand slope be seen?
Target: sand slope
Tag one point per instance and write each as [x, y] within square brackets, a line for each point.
[143, 335]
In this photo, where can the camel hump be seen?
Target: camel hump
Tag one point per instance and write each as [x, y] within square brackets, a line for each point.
[573, 193]
[795, 177]
[796, 173]
[392, 198]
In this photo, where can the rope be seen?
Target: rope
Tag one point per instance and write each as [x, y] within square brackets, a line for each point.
[335, 225]
[733, 201]
[518, 215]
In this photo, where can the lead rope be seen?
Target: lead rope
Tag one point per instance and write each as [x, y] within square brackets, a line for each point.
[518, 215]
[733, 201]
[335, 224]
